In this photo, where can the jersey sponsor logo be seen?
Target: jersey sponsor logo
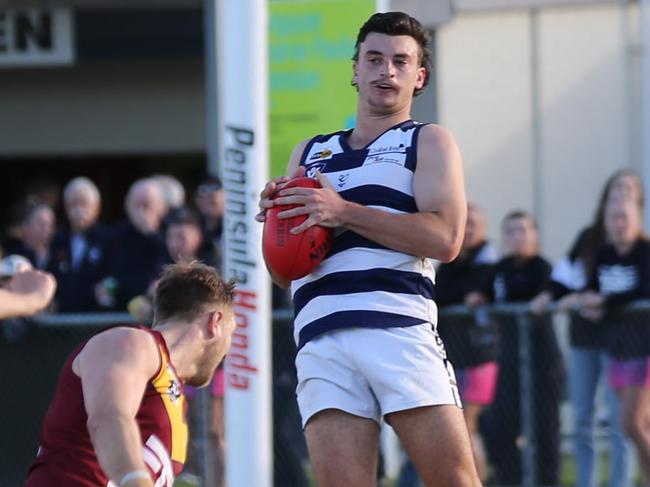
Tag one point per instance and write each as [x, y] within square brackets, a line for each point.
[386, 149]
[398, 158]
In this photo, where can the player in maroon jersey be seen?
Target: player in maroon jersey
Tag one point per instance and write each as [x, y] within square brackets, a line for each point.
[118, 413]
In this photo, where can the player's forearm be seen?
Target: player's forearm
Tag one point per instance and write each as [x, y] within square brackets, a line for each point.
[421, 234]
[13, 304]
[118, 446]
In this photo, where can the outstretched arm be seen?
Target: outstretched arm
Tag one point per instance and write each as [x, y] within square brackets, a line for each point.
[115, 367]
[28, 292]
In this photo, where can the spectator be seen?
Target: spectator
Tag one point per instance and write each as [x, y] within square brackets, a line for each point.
[587, 355]
[172, 189]
[521, 275]
[184, 239]
[621, 274]
[79, 249]
[471, 343]
[36, 232]
[136, 249]
[209, 200]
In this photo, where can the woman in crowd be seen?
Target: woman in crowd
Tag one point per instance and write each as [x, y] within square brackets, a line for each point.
[518, 277]
[587, 355]
[621, 274]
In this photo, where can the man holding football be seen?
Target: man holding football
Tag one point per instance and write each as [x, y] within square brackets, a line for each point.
[393, 193]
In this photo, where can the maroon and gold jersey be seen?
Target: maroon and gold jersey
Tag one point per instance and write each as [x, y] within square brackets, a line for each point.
[66, 456]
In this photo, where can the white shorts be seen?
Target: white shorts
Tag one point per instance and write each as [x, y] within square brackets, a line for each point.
[371, 372]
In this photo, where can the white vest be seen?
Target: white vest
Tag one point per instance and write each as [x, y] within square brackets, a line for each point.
[362, 283]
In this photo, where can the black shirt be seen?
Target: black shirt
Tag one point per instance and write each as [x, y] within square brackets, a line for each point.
[76, 280]
[134, 261]
[515, 280]
[468, 342]
[622, 279]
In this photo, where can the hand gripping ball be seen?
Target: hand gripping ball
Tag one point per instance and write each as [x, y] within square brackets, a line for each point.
[288, 255]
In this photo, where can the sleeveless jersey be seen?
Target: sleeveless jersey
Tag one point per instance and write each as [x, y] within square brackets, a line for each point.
[66, 456]
[361, 283]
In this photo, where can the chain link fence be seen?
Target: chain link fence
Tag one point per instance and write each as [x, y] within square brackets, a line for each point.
[526, 429]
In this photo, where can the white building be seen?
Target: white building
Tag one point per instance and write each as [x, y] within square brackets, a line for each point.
[544, 97]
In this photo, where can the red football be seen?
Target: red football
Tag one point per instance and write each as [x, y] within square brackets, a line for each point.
[288, 255]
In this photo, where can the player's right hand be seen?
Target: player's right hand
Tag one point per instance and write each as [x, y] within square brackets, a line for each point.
[265, 202]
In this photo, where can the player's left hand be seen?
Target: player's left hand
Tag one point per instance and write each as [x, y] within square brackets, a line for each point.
[324, 205]
[266, 200]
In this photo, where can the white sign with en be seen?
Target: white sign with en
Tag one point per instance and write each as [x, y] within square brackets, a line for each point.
[36, 37]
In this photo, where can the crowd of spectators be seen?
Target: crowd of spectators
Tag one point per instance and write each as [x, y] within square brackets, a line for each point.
[609, 351]
[101, 267]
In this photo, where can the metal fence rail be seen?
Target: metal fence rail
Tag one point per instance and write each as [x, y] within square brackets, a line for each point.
[32, 352]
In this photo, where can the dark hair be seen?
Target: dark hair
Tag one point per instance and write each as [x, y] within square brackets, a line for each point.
[398, 24]
[31, 208]
[188, 289]
[516, 215]
[182, 216]
[209, 184]
[590, 241]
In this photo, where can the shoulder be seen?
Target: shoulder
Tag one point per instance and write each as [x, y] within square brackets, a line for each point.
[122, 340]
[317, 149]
[643, 247]
[436, 135]
[644, 243]
[300, 147]
[604, 252]
[437, 148]
[582, 242]
[486, 254]
[541, 263]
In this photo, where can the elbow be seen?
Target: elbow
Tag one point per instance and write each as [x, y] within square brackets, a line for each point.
[447, 256]
[449, 249]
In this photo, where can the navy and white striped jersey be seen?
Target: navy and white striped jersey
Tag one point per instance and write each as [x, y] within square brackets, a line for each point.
[362, 283]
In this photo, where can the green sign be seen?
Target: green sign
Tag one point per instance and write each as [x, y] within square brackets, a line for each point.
[311, 46]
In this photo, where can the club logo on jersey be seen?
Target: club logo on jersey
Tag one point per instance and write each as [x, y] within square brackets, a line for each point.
[312, 168]
[323, 154]
[174, 390]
